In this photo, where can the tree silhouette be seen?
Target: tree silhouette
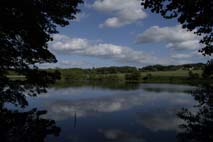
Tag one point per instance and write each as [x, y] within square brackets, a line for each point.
[26, 27]
[198, 126]
[28, 126]
[25, 30]
[208, 70]
[192, 14]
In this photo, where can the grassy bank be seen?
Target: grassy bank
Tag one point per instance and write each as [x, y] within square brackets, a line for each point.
[177, 77]
[181, 74]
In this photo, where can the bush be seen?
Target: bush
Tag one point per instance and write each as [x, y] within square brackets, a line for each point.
[193, 75]
[148, 76]
[134, 76]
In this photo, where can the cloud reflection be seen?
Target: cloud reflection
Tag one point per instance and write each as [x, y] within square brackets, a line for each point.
[161, 120]
[120, 135]
[61, 109]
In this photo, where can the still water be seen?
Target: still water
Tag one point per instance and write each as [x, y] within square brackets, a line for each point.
[145, 113]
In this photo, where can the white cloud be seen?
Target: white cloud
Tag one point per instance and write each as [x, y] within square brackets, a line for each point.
[67, 64]
[175, 37]
[124, 12]
[185, 55]
[181, 56]
[78, 46]
[106, 52]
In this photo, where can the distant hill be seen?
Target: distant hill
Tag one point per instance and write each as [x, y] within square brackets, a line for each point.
[197, 66]
[129, 69]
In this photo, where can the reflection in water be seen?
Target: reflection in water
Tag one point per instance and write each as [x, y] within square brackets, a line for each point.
[118, 85]
[198, 126]
[167, 88]
[16, 123]
[121, 136]
[15, 91]
[86, 105]
[75, 120]
[159, 120]
[101, 115]
[147, 113]
[27, 126]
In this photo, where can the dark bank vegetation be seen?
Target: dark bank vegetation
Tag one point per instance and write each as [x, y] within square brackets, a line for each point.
[187, 73]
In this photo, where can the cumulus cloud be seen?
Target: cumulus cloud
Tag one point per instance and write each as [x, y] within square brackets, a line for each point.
[67, 64]
[181, 56]
[189, 55]
[69, 46]
[124, 12]
[175, 37]
[64, 45]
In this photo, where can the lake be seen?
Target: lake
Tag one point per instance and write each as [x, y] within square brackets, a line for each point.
[146, 112]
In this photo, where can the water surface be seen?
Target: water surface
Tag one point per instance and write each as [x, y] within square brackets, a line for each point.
[96, 114]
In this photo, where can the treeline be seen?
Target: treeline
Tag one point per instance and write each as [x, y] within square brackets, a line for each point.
[155, 73]
[100, 74]
[197, 66]
[113, 70]
[128, 69]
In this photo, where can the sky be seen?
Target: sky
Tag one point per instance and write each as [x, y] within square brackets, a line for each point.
[122, 33]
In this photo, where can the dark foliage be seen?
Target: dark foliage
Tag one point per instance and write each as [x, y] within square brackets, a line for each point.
[198, 126]
[208, 70]
[112, 70]
[25, 30]
[133, 76]
[192, 14]
[198, 66]
[193, 75]
[25, 126]
[15, 91]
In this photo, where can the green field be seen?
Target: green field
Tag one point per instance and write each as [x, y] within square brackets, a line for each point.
[177, 73]
[178, 76]
[70, 76]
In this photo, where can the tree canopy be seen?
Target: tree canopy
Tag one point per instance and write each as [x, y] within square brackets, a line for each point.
[25, 29]
[193, 15]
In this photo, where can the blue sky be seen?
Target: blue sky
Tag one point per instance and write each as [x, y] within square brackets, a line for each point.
[122, 33]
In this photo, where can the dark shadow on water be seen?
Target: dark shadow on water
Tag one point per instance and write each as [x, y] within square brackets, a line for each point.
[119, 85]
[17, 124]
[198, 122]
[28, 126]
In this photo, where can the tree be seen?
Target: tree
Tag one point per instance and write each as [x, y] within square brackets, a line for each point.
[208, 70]
[25, 30]
[133, 76]
[194, 15]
